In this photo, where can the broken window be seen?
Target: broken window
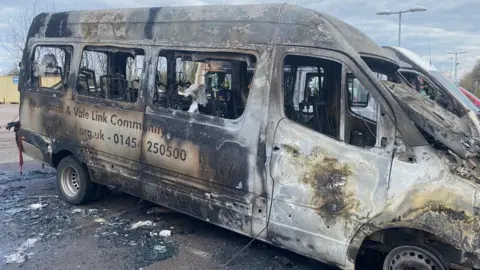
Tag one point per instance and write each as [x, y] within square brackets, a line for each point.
[360, 121]
[312, 93]
[50, 67]
[111, 73]
[206, 83]
[420, 84]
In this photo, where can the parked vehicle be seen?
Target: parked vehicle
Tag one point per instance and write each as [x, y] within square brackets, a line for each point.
[295, 167]
[471, 96]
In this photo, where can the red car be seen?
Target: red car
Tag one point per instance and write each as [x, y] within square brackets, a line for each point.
[471, 96]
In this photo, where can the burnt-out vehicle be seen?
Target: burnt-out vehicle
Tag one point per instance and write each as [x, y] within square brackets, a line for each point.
[299, 170]
[436, 92]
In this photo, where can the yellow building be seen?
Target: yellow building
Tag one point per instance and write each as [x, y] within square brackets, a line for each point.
[9, 89]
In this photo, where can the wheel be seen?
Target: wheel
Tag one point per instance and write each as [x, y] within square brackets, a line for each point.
[73, 181]
[414, 258]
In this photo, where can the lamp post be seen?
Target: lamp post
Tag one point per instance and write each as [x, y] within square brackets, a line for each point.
[456, 63]
[451, 68]
[389, 12]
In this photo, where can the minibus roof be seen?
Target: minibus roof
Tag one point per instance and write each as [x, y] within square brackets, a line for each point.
[229, 24]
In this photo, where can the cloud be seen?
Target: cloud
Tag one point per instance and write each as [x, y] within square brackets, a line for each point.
[446, 25]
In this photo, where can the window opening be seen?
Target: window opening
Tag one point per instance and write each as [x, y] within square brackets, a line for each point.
[361, 127]
[111, 73]
[312, 92]
[51, 66]
[206, 83]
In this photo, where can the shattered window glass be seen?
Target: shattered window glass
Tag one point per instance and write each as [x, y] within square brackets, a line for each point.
[199, 84]
[111, 73]
[50, 67]
[312, 89]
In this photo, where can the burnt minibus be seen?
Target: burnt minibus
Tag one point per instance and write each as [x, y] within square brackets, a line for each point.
[296, 169]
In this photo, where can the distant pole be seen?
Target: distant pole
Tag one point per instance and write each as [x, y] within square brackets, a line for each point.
[399, 29]
[388, 12]
[456, 63]
[451, 68]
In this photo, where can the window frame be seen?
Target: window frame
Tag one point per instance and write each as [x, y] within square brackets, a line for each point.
[30, 65]
[109, 102]
[425, 78]
[203, 118]
[352, 104]
[347, 65]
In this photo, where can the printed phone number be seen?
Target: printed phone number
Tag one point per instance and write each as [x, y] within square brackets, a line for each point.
[167, 151]
[156, 148]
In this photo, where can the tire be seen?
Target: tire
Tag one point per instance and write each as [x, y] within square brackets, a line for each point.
[73, 182]
[414, 257]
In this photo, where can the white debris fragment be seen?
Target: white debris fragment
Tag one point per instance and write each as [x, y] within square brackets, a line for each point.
[160, 249]
[165, 233]
[17, 257]
[36, 206]
[77, 211]
[92, 211]
[239, 186]
[99, 220]
[197, 91]
[141, 224]
[29, 243]
[20, 256]
[153, 234]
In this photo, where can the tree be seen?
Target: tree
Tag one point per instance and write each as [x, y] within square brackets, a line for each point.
[13, 40]
[13, 71]
[471, 80]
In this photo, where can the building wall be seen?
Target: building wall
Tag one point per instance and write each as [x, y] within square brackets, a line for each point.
[9, 89]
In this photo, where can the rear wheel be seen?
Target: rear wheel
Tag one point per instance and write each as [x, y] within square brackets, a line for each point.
[73, 181]
[414, 258]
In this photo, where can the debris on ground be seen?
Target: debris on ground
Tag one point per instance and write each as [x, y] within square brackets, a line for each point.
[144, 241]
[141, 224]
[36, 206]
[99, 220]
[165, 233]
[77, 211]
[20, 256]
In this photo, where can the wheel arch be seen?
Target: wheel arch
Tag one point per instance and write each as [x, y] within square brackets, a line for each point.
[62, 149]
[370, 229]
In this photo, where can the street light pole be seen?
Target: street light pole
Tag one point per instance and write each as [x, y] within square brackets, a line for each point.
[456, 63]
[399, 28]
[451, 68]
[388, 12]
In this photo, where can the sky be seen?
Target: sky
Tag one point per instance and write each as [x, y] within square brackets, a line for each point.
[445, 26]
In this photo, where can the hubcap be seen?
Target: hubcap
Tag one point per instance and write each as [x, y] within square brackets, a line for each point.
[412, 258]
[70, 181]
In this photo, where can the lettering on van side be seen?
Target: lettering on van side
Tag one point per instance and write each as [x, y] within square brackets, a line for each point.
[99, 116]
[166, 151]
[118, 139]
